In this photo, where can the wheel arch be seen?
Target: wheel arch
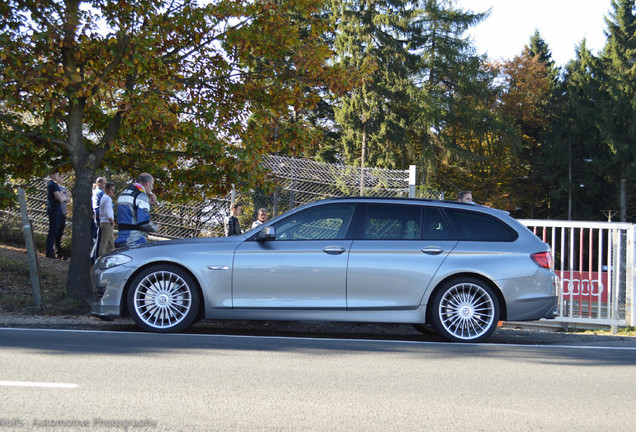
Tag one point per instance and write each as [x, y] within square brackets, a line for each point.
[124, 301]
[503, 312]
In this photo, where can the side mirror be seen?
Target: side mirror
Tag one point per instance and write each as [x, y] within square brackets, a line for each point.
[267, 233]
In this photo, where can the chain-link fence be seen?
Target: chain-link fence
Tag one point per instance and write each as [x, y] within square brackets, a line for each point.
[296, 182]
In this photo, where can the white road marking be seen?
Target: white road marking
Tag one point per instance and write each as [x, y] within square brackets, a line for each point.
[36, 384]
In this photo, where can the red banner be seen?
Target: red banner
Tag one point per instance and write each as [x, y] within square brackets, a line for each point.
[584, 286]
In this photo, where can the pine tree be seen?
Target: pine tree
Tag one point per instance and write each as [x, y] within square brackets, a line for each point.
[449, 80]
[541, 142]
[372, 37]
[577, 158]
[617, 77]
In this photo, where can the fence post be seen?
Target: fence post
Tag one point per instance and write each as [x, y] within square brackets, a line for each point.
[412, 181]
[275, 209]
[32, 255]
[630, 280]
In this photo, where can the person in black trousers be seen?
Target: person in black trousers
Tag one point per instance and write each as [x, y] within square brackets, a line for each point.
[56, 198]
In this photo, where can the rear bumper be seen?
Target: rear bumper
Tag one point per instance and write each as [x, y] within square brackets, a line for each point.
[531, 298]
[533, 309]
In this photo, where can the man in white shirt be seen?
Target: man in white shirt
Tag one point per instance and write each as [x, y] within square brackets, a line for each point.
[262, 217]
[107, 220]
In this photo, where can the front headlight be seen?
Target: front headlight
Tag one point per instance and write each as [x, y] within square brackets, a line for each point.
[112, 261]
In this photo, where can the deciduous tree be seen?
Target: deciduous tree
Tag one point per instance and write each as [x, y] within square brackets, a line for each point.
[166, 87]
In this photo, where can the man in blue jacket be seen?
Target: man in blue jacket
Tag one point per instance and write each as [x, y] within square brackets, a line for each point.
[133, 212]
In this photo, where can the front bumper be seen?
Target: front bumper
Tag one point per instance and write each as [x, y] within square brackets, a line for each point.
[104, 311]
[108, 286]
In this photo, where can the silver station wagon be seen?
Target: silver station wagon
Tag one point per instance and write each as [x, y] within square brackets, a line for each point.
[456, 267]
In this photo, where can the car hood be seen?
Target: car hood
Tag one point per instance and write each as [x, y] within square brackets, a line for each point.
[219, 243]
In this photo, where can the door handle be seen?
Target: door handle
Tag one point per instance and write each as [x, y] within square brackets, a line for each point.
[334, 250]
[432, 250]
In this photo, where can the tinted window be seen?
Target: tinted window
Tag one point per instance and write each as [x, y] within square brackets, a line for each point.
[435, 226]
[481, 227]
[325, 222]
[392, 222]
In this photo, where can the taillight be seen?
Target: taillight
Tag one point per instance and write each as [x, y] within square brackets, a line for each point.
[542, 259]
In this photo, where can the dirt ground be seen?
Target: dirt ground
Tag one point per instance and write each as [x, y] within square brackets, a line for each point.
[19, 254]
[509, 333]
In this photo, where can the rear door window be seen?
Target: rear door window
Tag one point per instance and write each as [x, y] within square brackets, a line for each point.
[436, 226]
[392, 222]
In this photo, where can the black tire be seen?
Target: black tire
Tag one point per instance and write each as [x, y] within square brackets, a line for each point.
[465, 310]
[163, 299]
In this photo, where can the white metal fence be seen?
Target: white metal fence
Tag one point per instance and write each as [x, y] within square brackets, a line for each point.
[595, 264]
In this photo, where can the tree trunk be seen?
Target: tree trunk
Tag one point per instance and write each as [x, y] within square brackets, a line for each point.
[78, 284]
[362, 157]
[569, 181]
[623, 196]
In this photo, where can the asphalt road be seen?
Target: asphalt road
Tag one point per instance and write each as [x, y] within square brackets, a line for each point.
[106, 380]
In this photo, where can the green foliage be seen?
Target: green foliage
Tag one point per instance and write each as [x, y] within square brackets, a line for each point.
[616, 75]
[163, 87]
[593, 168]
[373, 37]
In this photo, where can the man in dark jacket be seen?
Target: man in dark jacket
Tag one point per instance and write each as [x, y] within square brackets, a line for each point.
[232, 226]
[57, 219]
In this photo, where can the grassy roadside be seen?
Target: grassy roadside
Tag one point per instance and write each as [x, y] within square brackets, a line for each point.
[16, 293]
[622, 331]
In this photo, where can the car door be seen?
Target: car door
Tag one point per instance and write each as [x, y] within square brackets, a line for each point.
[395, 255]
[305, 266]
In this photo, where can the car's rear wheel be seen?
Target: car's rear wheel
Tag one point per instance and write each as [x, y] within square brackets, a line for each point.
[465, 310]
[163, 298]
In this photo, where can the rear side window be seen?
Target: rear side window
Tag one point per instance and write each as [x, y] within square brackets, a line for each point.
[475, 226]
[392, 222]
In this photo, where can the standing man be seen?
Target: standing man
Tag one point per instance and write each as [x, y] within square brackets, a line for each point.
[133, 212]
[261, 218]
[98, 193]
[232, 226]
[64, 205]
[57, 219]
[465, 196]
[107, 220]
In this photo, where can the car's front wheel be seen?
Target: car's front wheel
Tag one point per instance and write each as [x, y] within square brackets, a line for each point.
[465, 310]
[163, 298]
